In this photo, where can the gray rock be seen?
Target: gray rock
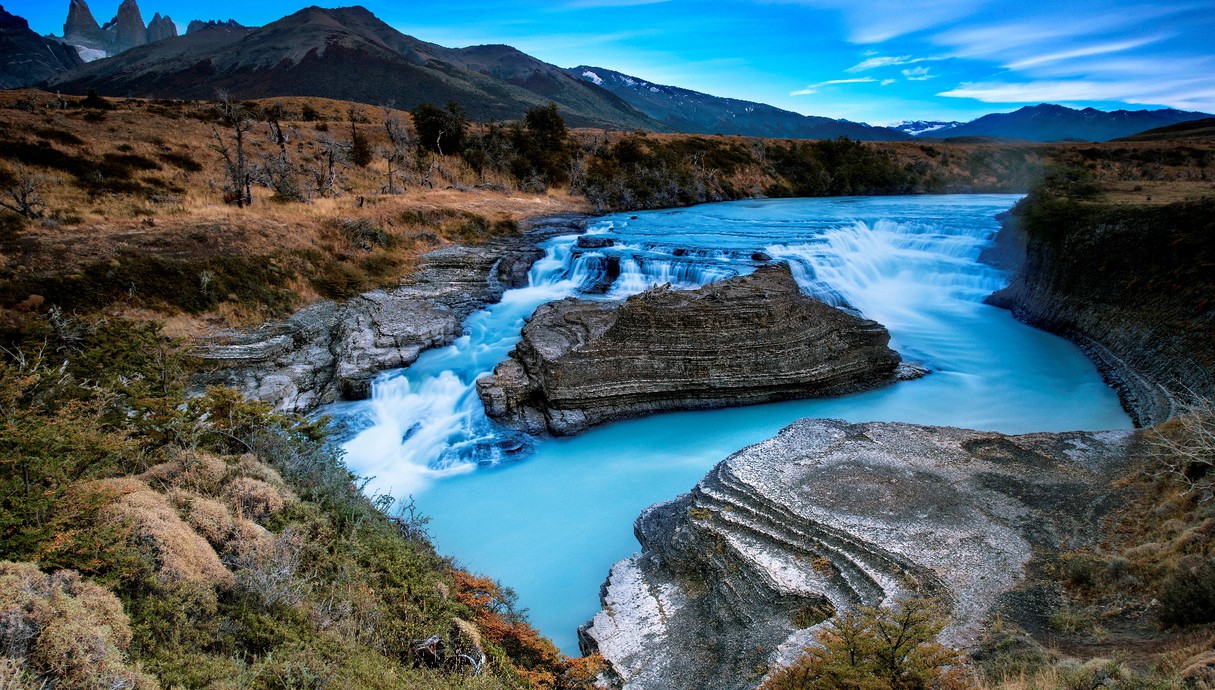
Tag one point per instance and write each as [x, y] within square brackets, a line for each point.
[746, 340]
[330, 351]
[828, 515]
[595, 242]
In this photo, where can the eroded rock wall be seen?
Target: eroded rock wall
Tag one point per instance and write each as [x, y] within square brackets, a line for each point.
[750, 339]
[828, 515]
[1133, 286]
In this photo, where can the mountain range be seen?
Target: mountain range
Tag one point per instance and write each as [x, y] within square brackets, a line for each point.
[315, 51]
[125, 31]
[1046, 122]
[683, 110]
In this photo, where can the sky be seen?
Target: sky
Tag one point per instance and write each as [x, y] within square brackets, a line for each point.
[876, 61]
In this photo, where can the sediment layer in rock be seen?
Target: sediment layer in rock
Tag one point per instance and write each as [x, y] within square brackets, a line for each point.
[828, 515]
[750, 339]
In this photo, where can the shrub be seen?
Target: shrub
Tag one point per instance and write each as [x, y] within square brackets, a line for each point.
[180, 553]
[1187, 596]
[66, 630]
[887, 648]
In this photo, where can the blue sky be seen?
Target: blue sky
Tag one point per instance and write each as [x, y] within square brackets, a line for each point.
[875, 61]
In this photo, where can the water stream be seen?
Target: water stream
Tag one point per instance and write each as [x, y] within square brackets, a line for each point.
[548, 517]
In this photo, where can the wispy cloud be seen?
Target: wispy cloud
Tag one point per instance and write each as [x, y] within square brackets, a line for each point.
[1090, 50]
[1192, 92]
[877, 21]
[813, 88]
[918, 74]
[584, 4]
[884, 61]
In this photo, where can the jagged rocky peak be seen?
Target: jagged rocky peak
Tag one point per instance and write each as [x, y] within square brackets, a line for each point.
[161, 28]
[81, 26]
[128, 27]
[749, 339]
[199, 25]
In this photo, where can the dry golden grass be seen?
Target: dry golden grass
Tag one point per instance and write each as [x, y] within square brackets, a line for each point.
[180, 553]
[64, 630]
[183, 215]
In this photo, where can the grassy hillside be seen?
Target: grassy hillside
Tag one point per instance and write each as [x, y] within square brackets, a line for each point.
[150, 541]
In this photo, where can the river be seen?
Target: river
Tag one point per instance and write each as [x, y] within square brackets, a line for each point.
[548, 517]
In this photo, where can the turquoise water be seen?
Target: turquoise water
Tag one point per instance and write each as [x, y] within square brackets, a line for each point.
[549, 517]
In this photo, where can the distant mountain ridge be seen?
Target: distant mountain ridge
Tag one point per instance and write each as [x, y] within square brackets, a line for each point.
[1047, 122]
[684, 110]
[1202, 130]
[27, 58]
[349, 54]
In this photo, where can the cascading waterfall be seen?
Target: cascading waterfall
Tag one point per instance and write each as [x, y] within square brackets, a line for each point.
[552, 526]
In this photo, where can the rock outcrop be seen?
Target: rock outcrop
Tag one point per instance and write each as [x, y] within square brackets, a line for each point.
[331, 351]
[128, 27]
[81, 27]
[161, 28]
[750, 339]
[27, 58]
[828, 515]
[199, 25]
[1132, 286]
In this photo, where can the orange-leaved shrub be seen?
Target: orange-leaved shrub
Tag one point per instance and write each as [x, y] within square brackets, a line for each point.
[534, 659]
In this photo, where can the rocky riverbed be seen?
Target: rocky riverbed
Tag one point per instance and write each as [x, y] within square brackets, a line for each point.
[828, 515]
[330, 351]
[749, 339]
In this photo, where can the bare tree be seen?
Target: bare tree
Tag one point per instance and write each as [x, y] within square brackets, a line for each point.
[240, 173]
[279, 173]
[400, 140]
[24, 195]
[323, 171]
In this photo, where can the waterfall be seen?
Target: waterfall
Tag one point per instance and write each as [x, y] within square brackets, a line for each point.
[553, 525]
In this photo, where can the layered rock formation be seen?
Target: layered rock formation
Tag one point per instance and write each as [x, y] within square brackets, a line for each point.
[27, 58]
[1133, 286]
[828, 515]
[329, 351]
[749, 339]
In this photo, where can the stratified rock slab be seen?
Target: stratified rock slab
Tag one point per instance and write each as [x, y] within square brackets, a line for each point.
[828, 515]
[750, 339]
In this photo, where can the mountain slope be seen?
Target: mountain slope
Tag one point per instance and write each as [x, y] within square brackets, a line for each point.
[27, 58]
[683, 110]
[345, 54]
[1203, 129]
[1048, 122]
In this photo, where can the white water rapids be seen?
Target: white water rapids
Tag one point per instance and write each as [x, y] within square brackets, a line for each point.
[548, 517]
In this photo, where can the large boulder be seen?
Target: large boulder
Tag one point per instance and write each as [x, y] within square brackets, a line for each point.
[750, 339]
[829, 515]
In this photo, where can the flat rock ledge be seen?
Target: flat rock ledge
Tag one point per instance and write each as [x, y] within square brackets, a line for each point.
[827, 515]
[749, 339]
[329, 351]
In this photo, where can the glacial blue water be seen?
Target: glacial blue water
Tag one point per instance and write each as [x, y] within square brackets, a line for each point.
[549, 517]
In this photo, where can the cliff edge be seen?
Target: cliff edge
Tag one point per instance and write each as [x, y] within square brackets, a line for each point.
[1134, 286]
